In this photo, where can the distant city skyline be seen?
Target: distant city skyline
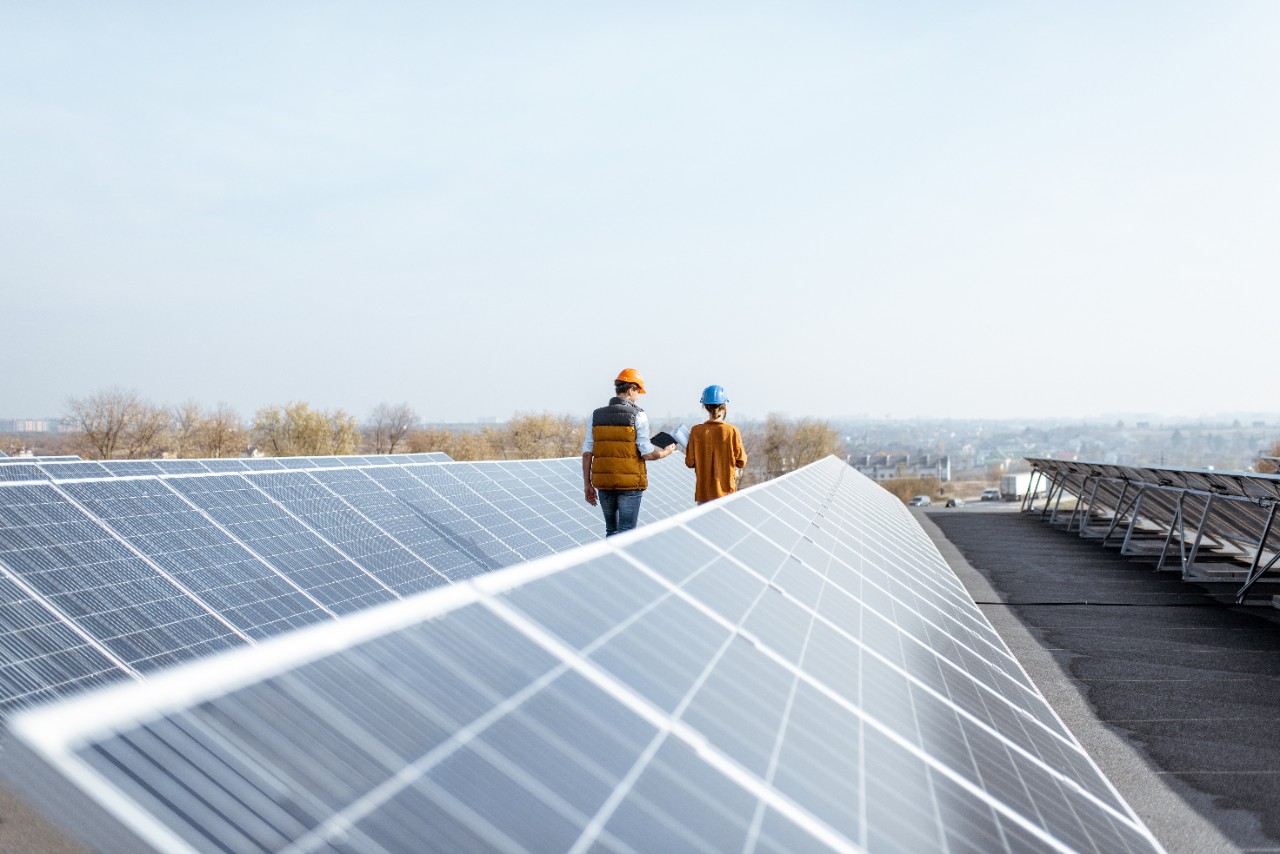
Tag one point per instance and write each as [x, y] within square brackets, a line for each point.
[912, 210]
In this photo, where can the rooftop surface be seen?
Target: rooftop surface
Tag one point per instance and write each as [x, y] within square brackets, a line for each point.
[1173, 692]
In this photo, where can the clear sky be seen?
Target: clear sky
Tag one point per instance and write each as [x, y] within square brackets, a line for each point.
[975, 209]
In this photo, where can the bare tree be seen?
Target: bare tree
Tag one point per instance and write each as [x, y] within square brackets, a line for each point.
[389, 424]
[298, 430]
[188, 419]
[344, 432]
[532, 437]
[117, 422]
[458, 444]
[149, 434]
[782, 445]
[101, 420]
[221, 434]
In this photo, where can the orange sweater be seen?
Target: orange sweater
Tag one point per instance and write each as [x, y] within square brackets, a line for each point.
[715, 454]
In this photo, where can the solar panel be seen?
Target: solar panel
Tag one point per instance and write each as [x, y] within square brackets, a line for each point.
[790, 668]
[227, 464]
[70, 469]
[1183, 517]
[45, 655]
[139, 617]
[365, 544]
[147, 569]
[20, 471]
[285, 542]
[191, 549]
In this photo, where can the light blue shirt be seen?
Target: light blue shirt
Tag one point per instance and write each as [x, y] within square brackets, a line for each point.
[643, 443]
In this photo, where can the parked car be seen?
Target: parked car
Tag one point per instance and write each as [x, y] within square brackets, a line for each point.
[919, 501]
[990, 494]
[955, 502]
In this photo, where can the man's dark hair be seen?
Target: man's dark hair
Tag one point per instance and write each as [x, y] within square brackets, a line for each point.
[621, 387]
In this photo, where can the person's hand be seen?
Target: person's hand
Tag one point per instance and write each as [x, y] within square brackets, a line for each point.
[668, 450]
[591, 495]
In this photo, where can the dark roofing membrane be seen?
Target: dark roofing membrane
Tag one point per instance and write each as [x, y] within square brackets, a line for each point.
[1173, 690]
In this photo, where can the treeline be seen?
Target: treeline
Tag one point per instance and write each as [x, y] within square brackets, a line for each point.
[118, 424]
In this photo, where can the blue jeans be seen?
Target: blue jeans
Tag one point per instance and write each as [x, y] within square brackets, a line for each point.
[621, 509]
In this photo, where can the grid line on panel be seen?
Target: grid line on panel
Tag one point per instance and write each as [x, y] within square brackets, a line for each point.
[175, 534]
[299, 500]
[377, 513]
[61, 621]
[525, 552]
[757, 819]
[311, 529]
[108, 591]
[374, 524]
[1058, 775]
[71, 470]
[258, 522]
[604, 620]
[600, 820]
[538, 521]
[413, 772]
[1024, 715]
[417, 491]
[161, 571]
[894, 599]
[249, 548]
[922, 617]
[665, 723]
[494, 490]
[582, 521]
[462, 499]
[903, 743]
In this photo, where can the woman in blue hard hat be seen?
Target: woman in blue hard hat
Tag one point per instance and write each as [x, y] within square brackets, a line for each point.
[715, 451]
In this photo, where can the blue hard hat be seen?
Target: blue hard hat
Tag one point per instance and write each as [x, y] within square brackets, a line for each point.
[714, 395]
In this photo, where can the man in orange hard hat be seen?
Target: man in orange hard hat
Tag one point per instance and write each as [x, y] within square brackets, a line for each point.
[614, 453]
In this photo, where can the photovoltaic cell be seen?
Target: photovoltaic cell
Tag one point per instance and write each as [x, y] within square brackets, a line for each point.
[280, 539]
[224, 465]
[743, 677]
[452, 503]
[409, 530]
[203, 558]
[347, 530]
[21, 471]
[110, 592]
[42, 655]
[65, 470]
[247, 558]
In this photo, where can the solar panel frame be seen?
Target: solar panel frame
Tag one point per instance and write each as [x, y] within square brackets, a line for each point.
[172, 533]
[610, 616]
[127, 604]
[248, 582]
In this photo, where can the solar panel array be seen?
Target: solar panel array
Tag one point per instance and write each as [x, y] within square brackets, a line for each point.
[792, 668]
[114, 569]
[1201, 521]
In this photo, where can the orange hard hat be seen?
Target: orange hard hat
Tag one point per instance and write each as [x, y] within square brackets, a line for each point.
[631, 375]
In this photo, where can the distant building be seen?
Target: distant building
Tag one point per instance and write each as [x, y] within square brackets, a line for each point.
[880, 467]
[35, 425]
